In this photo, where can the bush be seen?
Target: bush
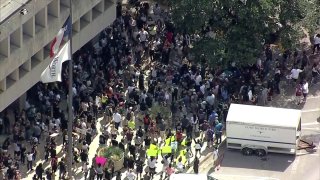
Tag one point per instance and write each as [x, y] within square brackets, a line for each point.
[111, 153]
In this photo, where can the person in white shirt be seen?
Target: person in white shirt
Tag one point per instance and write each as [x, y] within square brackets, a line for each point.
[156, 9]
[83, 125]
[85, 169]
[295, 73]
[316, 43]
[180, 166]
[210, 99]
[85, 106]
[74, 91]
[198, 79]
[215, 158]
[152, 166]
[130, 88]
[202, 88]
[16, 150]
[131, 175]
[117, 119]
[143, 35]
[29, 160]
[305, 90]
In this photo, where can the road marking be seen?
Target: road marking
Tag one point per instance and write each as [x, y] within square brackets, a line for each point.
[313, 97]
[311, 110]
[243, 176]
[311, 123]
[315, 129]
[295, 164]
[309, 154]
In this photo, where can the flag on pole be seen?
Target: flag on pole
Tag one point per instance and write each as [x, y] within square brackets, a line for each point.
[53, 72]
[63, 33]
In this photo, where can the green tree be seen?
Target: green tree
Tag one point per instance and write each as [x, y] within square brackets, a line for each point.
[240, 28]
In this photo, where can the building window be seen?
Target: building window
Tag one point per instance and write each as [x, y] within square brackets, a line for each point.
[85, 19]
[97, 10]
[28, 30]
[15, 40]
[40, 20]
[36, 59]
[4, 48]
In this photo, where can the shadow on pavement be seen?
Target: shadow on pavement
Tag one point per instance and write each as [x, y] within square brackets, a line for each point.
[272, 162]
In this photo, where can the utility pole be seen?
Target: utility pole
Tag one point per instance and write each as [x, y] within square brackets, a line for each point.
[70, 109]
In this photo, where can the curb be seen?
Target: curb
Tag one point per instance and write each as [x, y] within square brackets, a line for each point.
[202, 160]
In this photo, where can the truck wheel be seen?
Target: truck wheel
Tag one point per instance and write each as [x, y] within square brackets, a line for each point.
[261, 152]
[247, 151]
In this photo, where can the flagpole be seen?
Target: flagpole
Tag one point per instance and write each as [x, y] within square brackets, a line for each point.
[70, 110]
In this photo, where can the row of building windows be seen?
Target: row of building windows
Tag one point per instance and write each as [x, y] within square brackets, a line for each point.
[34, 26]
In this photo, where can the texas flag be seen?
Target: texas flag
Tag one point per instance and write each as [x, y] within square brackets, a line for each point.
[64, 33]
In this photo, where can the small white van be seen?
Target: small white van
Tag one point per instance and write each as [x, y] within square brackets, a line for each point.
[259, 130]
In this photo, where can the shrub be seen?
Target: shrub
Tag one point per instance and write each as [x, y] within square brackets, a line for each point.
[111, 153]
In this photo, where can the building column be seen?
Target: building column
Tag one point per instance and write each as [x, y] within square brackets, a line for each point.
[22, 101]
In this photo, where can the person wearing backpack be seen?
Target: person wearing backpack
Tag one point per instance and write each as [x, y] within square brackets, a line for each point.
[298, 93]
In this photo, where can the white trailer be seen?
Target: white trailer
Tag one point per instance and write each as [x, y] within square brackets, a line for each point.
[257, 129]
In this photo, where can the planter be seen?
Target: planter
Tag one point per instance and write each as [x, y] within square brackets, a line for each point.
[113, 154]
[118, 165]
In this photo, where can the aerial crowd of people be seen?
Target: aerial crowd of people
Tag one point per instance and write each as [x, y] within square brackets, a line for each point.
[139, 85]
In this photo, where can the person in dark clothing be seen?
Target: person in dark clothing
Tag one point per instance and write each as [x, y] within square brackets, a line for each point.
[121, 145]
[139, 132]
[139, 167]
[48, 174]
[141, 81]
[184, 123]
[62, 168]
[147, 141]
[268, 53]
[107, 173]
[88, 138]
[277, 77]
[39, 171]
[102, 139]
[132, 150]
[84, 157]
[130, 162]
[22, 154]
[146, 122]
[118, 10]
[10, 173]
[6, 124]
[175, 95]
[196, 165]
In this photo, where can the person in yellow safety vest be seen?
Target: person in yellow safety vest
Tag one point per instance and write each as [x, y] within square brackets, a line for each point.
[182, 158]
[104, 100]
[132, 124]
[187, 142]
[180, 165]
[153, 30]
[169, 140]
[153, 150]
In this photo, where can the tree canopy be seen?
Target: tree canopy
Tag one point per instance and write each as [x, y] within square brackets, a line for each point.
[240, 28]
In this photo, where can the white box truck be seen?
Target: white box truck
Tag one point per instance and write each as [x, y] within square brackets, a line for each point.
[257, 129]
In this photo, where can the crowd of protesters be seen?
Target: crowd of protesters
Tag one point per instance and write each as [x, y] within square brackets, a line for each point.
[141, 62]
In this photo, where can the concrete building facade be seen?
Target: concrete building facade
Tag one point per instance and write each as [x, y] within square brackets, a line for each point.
[25, 39]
